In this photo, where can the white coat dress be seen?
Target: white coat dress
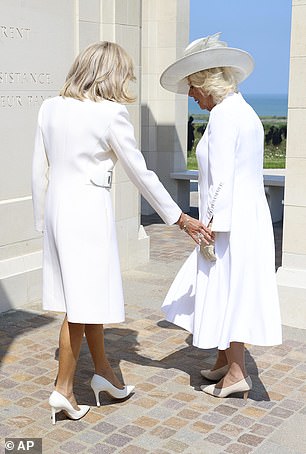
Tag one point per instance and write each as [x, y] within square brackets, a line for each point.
[76, 143]
[234, 298]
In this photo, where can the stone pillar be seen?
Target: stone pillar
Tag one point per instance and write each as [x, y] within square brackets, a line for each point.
[120, 21]
[165, 33]
[292, 275]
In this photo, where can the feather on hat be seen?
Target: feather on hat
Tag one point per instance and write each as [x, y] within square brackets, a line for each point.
[205, 53]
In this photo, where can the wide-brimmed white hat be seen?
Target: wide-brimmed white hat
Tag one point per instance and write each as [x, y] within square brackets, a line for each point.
[205, 53]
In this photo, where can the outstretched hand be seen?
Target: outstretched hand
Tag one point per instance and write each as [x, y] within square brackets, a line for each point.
[198, 231]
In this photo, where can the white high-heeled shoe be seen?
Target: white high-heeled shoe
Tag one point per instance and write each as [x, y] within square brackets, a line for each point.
[244, 386]
[214, 375]
[99, 384]
[58, 402]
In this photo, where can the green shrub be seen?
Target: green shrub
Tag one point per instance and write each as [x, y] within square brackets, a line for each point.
[275, 129]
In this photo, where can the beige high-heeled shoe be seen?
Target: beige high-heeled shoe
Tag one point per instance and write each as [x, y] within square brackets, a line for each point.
[214, 375]
[244, 386]
[99, 384]
[58, 402]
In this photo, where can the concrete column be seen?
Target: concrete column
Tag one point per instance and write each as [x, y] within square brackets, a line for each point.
[120, 21]
[292, 275]
[165, 33]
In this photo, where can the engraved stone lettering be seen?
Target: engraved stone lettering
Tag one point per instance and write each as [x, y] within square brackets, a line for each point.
[11, 32]
[8, 101]
[17, 101]
[22, 78]
[36, 100]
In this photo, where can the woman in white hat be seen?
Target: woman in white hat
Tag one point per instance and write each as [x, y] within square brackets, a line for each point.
[226, 294]
[80, 136]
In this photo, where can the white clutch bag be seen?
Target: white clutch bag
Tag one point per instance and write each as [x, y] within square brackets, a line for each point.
[208, 250]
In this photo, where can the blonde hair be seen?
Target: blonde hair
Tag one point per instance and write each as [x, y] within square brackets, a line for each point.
[101, 71]
[217, 82]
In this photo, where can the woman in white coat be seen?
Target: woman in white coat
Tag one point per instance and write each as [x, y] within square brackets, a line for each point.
[226, 294]
[80, 136]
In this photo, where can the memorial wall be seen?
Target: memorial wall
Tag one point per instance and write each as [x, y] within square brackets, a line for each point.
[38, 42]
[37, 46]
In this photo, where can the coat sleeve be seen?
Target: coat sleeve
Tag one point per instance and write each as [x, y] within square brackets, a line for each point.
[123, 143]
[222, 138]
[40, 167]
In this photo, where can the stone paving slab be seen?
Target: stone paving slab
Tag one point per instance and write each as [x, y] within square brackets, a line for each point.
[168, 413]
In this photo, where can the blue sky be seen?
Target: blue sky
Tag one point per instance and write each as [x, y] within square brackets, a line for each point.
[261, 27]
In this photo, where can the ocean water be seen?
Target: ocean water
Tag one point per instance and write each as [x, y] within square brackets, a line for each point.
[264, 105]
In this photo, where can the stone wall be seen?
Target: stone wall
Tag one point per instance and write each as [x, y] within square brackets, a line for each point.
[37, 46]
[38, 43]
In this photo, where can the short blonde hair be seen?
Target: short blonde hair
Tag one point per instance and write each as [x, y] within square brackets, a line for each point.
[217, 82]
[101, 71]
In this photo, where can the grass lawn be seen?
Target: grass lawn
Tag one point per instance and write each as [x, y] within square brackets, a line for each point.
[275, 141]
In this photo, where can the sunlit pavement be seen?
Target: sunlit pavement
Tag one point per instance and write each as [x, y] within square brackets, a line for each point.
[167, 413]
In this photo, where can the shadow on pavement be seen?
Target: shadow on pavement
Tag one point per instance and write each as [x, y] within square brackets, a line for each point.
[122, 345]
[15, 323]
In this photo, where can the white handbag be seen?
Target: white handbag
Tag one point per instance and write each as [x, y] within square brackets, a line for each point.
[208, 250]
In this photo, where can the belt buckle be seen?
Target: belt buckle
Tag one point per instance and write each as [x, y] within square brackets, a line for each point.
[102, 179]
[109, 179]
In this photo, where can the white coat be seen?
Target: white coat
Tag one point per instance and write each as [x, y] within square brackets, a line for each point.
[234, 298]
[76, 143]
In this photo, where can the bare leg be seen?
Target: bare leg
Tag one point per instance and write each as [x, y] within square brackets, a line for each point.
[70, 340]
[95, 339]
[221, 360]
[236, 361]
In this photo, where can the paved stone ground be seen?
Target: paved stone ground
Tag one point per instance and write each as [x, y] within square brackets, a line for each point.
[167, 413]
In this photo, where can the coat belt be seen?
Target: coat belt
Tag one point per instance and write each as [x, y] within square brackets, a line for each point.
[103, 179]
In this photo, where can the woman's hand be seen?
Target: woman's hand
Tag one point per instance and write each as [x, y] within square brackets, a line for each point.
[198, 231]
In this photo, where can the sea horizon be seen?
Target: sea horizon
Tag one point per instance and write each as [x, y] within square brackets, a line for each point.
[264, 104]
